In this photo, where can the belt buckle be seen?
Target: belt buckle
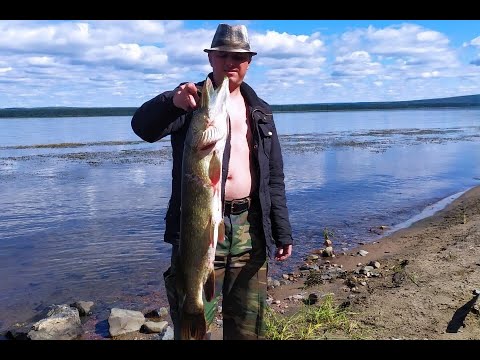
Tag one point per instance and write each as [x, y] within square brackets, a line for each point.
[240, 202]
[233, 204]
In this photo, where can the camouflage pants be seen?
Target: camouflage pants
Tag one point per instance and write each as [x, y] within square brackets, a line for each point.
[240, 279]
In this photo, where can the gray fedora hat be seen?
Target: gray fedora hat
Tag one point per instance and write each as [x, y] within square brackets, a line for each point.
[231, 38]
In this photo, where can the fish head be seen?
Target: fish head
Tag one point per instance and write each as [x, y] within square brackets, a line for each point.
[209, 122]
[216, 101]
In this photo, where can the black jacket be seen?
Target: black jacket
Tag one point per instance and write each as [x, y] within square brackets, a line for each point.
[159, 117]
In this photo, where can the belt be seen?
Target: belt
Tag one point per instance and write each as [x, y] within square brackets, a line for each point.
[237, 206]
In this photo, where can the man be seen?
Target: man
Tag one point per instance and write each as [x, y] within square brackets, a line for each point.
[256, 215]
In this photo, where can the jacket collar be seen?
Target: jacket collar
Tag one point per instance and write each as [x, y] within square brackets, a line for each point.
[258, 108]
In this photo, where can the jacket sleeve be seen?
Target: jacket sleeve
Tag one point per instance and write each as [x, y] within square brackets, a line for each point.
[281, 228]
[157, 118]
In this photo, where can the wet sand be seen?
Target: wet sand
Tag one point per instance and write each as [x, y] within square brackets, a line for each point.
[434, 297]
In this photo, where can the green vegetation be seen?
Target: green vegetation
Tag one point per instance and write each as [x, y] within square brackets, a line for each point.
[327, 233]
[65, 112]
[451, 102]
[72, 145]
[312, 322]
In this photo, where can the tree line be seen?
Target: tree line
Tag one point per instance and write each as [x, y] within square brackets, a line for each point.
[451, 102]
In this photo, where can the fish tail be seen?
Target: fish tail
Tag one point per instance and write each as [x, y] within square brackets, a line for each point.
[193, 326]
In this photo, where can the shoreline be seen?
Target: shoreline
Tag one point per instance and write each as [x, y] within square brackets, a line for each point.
[428, 211]
[443, 255]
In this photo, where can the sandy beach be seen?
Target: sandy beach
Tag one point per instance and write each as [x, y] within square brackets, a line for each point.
[437, 261]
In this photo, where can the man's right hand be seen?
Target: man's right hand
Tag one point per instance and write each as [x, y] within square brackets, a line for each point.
[186, 97]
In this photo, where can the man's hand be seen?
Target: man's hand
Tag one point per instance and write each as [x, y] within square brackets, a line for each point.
[186, 97]
[283, 252]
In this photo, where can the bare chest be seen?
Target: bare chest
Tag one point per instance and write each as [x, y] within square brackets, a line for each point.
[241, 175]
[241, 133]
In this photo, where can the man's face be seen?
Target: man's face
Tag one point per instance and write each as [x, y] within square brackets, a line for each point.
[234, 65]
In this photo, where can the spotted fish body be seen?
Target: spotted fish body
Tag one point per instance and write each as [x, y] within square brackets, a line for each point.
[201, 222]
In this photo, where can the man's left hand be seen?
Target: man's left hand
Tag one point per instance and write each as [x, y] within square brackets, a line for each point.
[283, 252]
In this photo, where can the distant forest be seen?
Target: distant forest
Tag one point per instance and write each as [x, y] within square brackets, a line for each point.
[451, 102]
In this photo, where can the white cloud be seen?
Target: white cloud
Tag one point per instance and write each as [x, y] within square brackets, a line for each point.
[430, 74]
[126, 62]
[282, 45]
[128, 56]
[357, 63]
[41, 61]
[474, 42]
[332, 85]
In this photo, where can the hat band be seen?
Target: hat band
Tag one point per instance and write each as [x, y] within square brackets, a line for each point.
[228, 48]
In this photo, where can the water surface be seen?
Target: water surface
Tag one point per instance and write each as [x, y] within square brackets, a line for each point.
[83, 199]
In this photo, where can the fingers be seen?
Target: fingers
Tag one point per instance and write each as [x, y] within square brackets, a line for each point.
[186, 97]
[283, 253]
[192, 97]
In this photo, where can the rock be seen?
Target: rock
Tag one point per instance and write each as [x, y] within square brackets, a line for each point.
[154, 326]
[62, 323]
[84, 307]
[168, 334]
[328, 251]
[123, 321]
[312, 299]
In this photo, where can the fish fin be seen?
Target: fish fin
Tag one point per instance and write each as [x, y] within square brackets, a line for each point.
[222, 96]
[211, 227]
[209, 138]
[221, 231]
[215, 168]
[207, 91]
[209, 287]
[193, 326]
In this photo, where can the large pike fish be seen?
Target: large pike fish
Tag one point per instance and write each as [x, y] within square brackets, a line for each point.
[201, 222]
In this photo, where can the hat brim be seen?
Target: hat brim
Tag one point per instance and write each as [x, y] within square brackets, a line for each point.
[230, 49]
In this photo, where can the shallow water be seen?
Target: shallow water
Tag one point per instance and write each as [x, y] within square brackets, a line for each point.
[83, 200]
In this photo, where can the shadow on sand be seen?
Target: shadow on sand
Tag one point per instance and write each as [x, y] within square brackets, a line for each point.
[459, 316]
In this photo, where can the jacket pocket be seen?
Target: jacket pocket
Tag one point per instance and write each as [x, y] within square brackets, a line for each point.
[266, 132]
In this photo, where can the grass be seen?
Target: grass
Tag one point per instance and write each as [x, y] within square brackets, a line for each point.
[327, 233]
[312, 322]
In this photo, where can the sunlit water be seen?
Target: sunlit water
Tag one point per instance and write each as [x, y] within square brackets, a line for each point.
[83, 199]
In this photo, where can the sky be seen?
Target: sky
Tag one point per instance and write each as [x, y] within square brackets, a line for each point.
[123, 63]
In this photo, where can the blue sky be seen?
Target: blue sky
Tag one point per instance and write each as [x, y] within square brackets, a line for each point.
[126, 62]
